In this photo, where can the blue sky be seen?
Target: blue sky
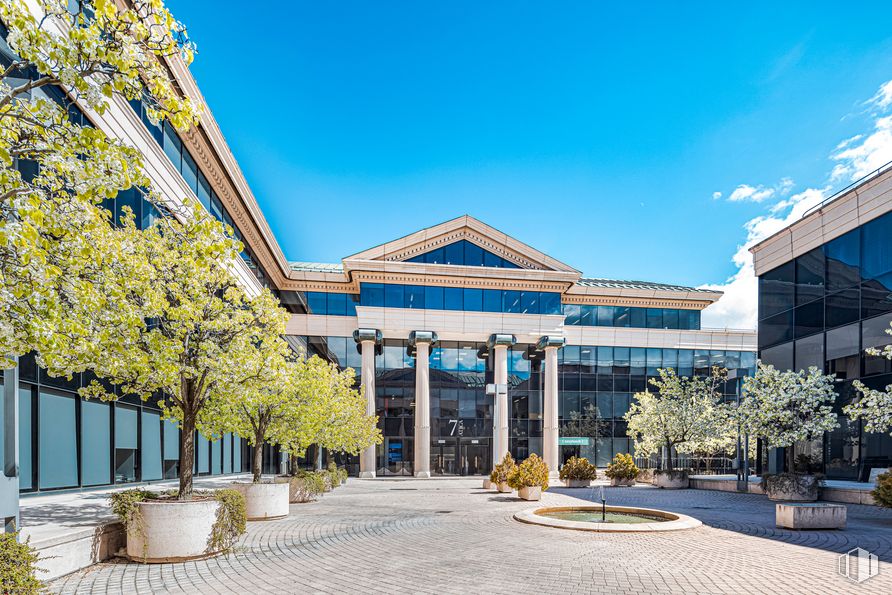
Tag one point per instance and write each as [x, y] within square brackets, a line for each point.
[597, 133]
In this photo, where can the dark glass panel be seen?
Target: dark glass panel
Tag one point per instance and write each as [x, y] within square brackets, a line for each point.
[654, 318]
[473, 254]
[843, 261]
[204, 191]
[605, 316]
[810, 276]
[549, 302]
[776, 329]
[571, 314]
[371, 294]
[670, 319]
[876, 247]
[843, 352]
[454, 253]
[529, 302]
[337, 304]
[492, 300]
[776, 290]
[873, 334]
[622, 316]
[810, 352]
[809, 318]
[433, 298]
[434, 256]
[491, 260]
[414, 297]
[842, 308]
[638, 360]
[172, 145]
[352, 301]
[587, 315]
[190, 171]
[512, 302]
[473, 300]
[394, 295]
[781, 357]
[639, 317]
[453, 298]
[876, 296]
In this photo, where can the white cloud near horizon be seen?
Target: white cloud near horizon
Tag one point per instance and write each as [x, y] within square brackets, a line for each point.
[854, 158]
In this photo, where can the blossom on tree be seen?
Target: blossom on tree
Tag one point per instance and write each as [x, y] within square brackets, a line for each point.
[874, 406]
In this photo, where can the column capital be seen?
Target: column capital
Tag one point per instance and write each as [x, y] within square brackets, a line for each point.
[501, 340]
[361, 335]
[550, 342]
[416, 337]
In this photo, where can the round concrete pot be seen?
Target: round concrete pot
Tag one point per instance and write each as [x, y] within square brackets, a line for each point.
[577, 483]
[621, 481]
[172, 531]
[789, 487]
[264, 501]
[504, 488]
[531, 493]
[487, 484]
[671, 480]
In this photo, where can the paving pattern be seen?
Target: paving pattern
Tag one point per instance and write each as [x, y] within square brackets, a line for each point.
[450, 536]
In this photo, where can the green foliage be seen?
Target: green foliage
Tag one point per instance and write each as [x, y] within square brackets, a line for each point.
[124, 505]
[622, 467]
[18, 566]
[305, 486]
[578, 468]
[232, 520]
[503, 469]
[333, 475]
[795, 483]
[530, 473]
[882, 494]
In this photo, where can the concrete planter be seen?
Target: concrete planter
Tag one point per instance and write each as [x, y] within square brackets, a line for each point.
[671, 480]
[172, 531]
[531, 493]
[790, 487]
[622, 481]
[265, 500]
[810, 516]
[487, 484]
[577, 483]
[504, 488]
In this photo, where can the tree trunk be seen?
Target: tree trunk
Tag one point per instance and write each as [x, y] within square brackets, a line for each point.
[257, 463]
[669, 463]
[318, 458]
[187, 457]
[789, 453]
[292, 463]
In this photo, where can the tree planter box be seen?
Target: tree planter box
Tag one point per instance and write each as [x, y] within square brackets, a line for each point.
[266, 500]
[622, 481]
[487, 484]
[788, 487]
[504, 488]
[671, 480]
[172, 531]
[531, 493]
[810, 516]
[577, 483]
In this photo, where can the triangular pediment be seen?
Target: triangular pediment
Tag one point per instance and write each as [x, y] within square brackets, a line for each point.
[464, 235]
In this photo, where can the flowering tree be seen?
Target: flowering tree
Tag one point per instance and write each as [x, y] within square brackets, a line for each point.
[203, 341]
[331, 412]
[788, 407]
[874, 406]
[684, 413]
[55, 171]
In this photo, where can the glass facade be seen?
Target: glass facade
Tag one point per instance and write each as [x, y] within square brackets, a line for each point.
[631, 317]
[466, 299]
[824, 309]
[464, 253]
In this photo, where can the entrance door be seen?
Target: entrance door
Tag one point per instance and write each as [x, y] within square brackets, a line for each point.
[475, 457]
[398, 456]
[443, 457]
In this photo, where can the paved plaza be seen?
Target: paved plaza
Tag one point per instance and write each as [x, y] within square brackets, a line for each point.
[451, 536]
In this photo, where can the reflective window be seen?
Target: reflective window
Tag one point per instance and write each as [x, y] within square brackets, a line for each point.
[876, 247]
[776, 290]
[453, 298]
[463, 253]
[433, 298]
[781, 357]
[57, 441]
[414, 297]
[125, 443]
[95, 443]
[810, 276]
[492, 300]
[810, 352]
[25, 443]
[843, 261]
[150, 457]
[473, 300]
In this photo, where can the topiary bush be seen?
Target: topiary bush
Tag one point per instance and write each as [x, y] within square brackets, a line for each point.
[882, 494]
[18, 566]
[622, 467]
[578, 468]
[503, 469]
[334, 475]
[531, 473]
[304, 486]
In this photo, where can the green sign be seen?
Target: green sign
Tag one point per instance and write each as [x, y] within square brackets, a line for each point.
[573, 441]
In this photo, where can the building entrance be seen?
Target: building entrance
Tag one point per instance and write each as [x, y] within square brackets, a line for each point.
[461, 456]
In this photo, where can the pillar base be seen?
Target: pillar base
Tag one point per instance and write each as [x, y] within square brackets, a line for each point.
[366, 475]
[423, 474]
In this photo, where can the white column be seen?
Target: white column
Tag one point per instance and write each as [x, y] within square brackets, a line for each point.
[422, 410]
[550, 426]
[500, 415]
[367, 457]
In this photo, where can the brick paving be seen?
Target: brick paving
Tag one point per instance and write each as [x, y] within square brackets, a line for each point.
[450, 536]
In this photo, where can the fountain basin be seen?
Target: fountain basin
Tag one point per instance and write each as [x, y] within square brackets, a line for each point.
[622, 519]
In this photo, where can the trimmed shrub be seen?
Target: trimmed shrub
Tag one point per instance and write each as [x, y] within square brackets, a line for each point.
[305, 486]
[882, 494]
[622, 467]
[531, 473]
[503, 469]
[578, 468]
[18, 566]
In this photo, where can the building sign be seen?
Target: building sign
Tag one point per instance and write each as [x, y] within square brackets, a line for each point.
[573, 441]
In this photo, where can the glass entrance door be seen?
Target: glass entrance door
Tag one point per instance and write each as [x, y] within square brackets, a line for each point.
[476, 456]
[443, 457]
[398, 456]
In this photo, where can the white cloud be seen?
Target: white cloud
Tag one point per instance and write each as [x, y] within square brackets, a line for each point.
[751, 193]
[854, 158]
[716, 195]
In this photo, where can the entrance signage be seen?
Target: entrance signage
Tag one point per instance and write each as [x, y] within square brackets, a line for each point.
[574, 441]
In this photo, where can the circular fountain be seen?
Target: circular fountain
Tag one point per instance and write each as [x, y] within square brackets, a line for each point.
[607, 519]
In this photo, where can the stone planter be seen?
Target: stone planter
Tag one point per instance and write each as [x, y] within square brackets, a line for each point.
[531, 493]
[577, 483]
[265, 500]
[622, 481]
[671, 480]
[487, 484]
[810, 516]
[791, 487]
[172, 530]
[504, 488]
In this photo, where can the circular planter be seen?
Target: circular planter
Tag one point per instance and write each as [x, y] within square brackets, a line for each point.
[264, 501]
[487, 484]
[671, 480]
[791, 488]
[504, 488]
[531, 493]
[622, 481]
[578, 483]
[172, 531]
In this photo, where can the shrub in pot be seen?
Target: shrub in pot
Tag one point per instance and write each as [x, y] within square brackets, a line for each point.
[18, 566]
[529, 478]
[622, 471]
[577, 472]
[791, 487]
[882, 493]
[501, 472]
[304, 486]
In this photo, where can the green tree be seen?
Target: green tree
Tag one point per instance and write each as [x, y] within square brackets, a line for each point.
[874, 406]
[684, 413]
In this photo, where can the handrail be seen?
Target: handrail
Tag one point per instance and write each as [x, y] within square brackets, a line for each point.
[839, 193]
